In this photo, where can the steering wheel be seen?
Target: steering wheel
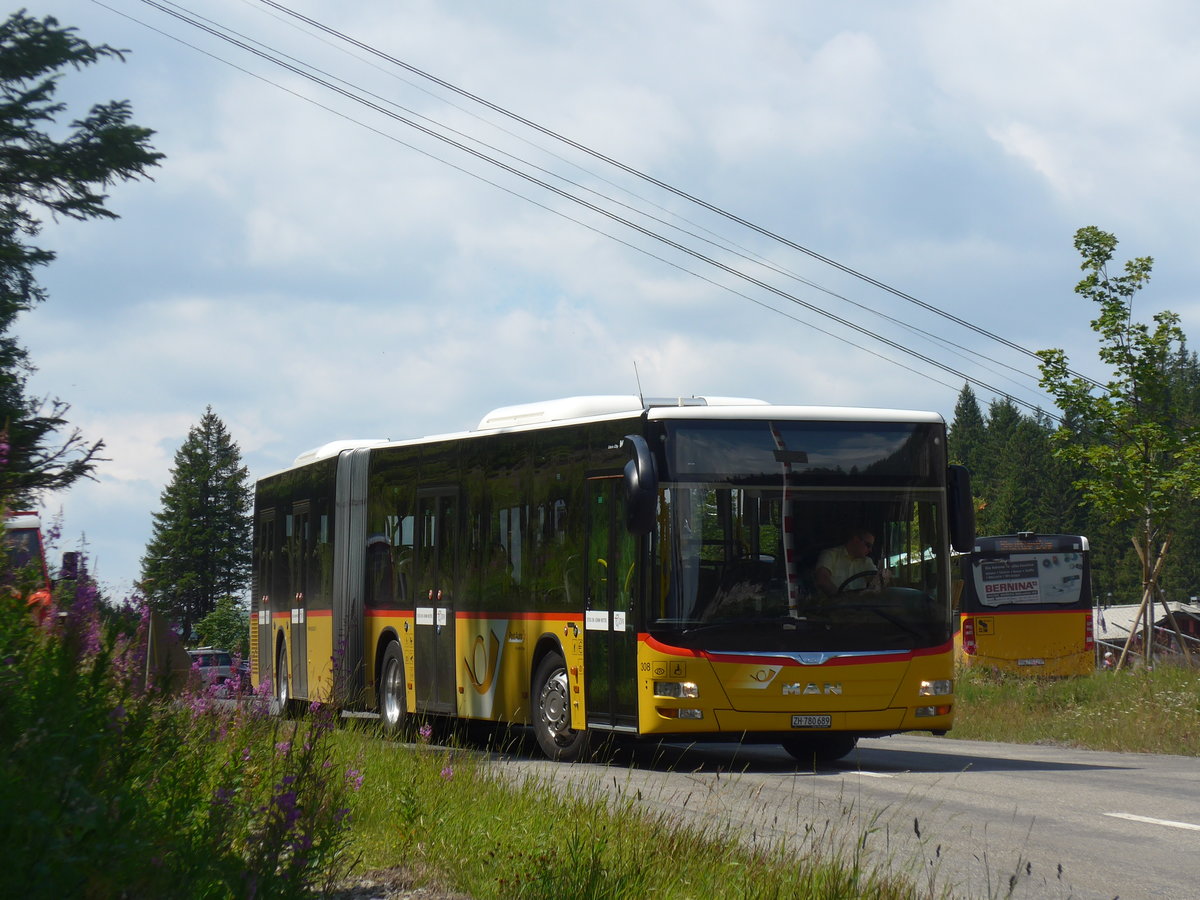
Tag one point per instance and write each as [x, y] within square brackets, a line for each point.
[866, 574]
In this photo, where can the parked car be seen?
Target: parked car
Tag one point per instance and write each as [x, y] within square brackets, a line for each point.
[215, 666]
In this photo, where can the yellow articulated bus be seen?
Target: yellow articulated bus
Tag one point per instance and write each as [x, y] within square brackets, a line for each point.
[602, 566]
[1026, 604]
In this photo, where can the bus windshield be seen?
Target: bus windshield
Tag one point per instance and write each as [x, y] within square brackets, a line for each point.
[24, 548]
[736, 557]
[827, 453]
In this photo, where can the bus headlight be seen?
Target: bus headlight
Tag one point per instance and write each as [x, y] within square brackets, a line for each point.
[679, 689]
[936, 688]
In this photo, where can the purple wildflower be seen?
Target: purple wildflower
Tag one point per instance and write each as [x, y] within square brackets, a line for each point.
[286, 802]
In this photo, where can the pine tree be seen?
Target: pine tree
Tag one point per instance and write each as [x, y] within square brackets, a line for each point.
[60, 171]
[1056, 504]
[996, 486]
[967, 431]
[200, 547]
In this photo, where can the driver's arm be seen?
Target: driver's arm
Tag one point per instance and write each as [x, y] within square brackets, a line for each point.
[824, 580]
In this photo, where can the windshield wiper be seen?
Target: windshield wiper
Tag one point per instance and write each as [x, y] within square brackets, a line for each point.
[887, 617]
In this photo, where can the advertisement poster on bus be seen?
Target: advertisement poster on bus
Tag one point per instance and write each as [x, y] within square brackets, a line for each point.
[1037, 578]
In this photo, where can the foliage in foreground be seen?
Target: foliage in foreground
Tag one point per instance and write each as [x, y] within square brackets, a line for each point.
[107, 790]
[1142, 710]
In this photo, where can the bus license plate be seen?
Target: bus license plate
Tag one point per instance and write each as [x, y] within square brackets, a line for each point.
[811, 721]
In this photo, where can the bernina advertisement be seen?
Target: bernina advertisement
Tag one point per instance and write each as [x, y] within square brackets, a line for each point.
[1029, 579]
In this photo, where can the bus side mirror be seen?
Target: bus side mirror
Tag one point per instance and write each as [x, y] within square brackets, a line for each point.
[961, 509]
[641, 487]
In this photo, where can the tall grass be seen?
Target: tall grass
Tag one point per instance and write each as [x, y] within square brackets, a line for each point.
[444, 813]
[452, 817]
[1143, 710]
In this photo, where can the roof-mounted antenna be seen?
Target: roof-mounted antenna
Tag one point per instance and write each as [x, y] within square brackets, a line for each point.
[638, 378]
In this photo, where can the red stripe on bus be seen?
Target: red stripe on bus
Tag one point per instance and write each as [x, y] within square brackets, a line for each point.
[522, 616]
[461, 614]
[751, 658]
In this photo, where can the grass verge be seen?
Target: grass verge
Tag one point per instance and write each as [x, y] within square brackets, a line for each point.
[1141, 711]
[440, 811]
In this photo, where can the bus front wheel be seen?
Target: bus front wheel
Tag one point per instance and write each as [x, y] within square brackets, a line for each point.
[393, 703]
[817, 749]
[552, 712]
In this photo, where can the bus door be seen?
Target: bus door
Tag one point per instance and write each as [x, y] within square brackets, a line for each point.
[610, 634]
[262, 648]
[436, 554]
[298, 550]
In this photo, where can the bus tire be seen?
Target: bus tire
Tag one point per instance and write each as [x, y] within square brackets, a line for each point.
[552, 712]
[393, 701]
[283, 694]
[818, 749]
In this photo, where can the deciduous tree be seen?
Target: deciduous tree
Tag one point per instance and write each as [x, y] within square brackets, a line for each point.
[226, 627]
[1138, 449]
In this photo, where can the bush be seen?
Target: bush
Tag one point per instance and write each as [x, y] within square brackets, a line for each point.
[107, 789]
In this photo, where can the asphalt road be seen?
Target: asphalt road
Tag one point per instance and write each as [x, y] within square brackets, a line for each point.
[970, 816]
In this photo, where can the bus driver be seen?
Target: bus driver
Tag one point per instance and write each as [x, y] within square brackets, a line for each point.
[839, 564]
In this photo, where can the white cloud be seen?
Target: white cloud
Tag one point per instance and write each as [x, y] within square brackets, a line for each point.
[1095, 97]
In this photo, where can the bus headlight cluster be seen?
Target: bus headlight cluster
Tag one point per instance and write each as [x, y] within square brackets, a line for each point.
[678, 689]
[936, 688]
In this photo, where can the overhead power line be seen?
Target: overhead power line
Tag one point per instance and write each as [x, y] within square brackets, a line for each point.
[715, 240]
[349, 91]
[678, 192]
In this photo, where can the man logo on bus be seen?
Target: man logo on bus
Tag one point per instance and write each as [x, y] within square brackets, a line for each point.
[812, 688]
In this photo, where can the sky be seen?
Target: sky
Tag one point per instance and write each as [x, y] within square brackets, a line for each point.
[316, 266]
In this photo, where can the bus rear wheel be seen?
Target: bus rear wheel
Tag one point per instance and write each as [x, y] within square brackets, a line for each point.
[393, 703]
[282, 693]
[552, 712]
[817, 749]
